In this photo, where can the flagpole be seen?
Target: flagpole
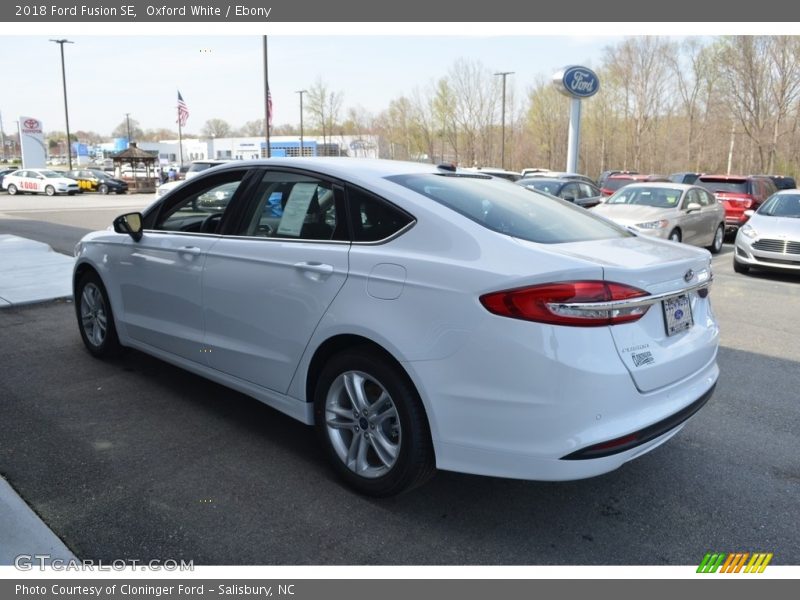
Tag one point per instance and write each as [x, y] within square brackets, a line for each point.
[180, 133]
[266, 98]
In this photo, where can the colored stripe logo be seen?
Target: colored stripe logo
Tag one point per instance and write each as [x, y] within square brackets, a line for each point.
[735, 562]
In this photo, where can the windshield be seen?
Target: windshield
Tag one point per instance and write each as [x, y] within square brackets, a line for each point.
[647, 196]
[50, 174]
[543, 185]
[512, 210]
[784, 205]
[99, 174]
[736, 186]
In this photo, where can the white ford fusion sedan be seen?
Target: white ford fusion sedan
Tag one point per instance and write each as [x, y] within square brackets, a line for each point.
[419, 317]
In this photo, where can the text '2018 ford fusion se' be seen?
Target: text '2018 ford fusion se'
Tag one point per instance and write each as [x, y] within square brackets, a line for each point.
[418, 316]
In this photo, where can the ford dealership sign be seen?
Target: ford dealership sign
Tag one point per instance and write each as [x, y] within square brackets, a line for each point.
[577, 82]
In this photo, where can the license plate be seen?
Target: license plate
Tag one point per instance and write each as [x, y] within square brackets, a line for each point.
[677, 314]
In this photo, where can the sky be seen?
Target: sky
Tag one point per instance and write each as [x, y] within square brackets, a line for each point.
[113, 69]
[221, 76]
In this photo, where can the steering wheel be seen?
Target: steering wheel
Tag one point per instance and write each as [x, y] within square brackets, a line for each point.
[211, 223]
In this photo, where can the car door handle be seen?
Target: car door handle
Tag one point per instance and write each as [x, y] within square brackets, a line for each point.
[191, 250]
[314, 270]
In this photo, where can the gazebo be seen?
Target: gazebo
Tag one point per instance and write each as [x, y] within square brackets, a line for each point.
[140, 174]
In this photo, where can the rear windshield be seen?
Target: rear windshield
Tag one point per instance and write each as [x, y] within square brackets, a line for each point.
[512, 210]
[615, 184]
[731, 186]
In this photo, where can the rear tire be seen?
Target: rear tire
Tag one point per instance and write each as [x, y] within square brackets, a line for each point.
[675, 235]
[95, 318]
[719, 237]
[372, 425]
[12, 189]
[740, 268]
[103, 189]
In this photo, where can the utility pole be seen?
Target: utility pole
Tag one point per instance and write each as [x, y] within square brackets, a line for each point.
[66, 110]
[301, 92]
[504, 74]
[128, 121]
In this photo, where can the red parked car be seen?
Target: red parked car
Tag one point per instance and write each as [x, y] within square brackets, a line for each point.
[738, 193]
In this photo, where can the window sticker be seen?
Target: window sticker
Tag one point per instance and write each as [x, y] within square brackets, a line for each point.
[294, 213]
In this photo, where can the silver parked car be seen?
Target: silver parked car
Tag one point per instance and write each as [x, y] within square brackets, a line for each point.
[771, 238]
[673, 211]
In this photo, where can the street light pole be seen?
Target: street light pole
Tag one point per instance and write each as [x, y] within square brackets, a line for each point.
[66, 110]
[301, 92]
[128, 121]
[504, 74]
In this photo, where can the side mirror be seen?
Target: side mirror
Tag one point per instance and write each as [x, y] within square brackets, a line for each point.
[749, 213]
[693, 207]
[568, 198]
[131, 224]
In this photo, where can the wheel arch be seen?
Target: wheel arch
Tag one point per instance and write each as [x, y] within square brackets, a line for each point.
[339, 343]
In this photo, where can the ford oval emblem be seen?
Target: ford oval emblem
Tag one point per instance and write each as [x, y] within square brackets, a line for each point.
[688, 276]
[578, 82]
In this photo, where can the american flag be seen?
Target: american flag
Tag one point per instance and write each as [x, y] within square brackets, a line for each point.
[183, 111]
[269, 108]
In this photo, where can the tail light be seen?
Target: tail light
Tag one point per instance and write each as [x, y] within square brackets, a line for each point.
[573, 303]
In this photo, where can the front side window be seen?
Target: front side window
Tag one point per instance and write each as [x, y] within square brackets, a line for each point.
[200, 208]
[511, 210]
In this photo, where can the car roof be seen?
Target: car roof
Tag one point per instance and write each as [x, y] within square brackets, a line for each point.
[664, 185]
[341, 167]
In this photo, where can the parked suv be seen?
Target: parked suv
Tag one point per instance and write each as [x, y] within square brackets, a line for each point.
[738, 193]
[782, 182]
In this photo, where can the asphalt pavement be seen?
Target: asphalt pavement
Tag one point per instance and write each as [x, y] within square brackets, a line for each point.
[136, 459]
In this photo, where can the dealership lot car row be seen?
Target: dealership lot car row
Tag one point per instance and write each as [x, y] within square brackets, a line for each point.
[418, 317]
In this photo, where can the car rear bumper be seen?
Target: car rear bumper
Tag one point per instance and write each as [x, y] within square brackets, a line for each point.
[495, 420]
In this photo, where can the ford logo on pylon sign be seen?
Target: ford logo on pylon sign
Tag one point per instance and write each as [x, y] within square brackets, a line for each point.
[577, 82]
[31, 124]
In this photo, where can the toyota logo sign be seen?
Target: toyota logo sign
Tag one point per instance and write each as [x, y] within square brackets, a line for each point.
[31, 124]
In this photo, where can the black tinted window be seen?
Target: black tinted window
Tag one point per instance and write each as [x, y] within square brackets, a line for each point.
[511, 210]
[374, 219]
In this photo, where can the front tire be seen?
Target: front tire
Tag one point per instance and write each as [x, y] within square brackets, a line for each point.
[675, 235]
[719, 237]
[50, 190]
[372, 425]
[95, 318]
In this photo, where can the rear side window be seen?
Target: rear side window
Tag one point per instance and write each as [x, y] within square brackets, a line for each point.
[512, 210]
[373, 218]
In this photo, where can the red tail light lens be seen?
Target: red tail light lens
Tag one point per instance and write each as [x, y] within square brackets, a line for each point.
[551, 303]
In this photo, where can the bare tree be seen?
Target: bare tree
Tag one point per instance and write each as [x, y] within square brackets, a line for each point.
[638, 66]
[324, 106]
[217, 128]
[253, 128]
